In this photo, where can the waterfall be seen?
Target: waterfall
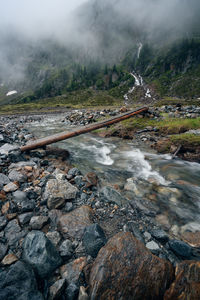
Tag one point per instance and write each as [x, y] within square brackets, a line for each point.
[138, 80]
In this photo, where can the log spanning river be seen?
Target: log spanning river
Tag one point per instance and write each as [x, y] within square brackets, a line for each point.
[170, 184]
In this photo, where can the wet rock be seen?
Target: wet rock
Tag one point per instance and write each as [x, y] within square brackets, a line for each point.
[93, 239]
[17, 176]
[37, 222]
[54, 237]
[71, 292]
[13, 232]
[10, 187]
[125, 269]
[153, 247]
[186, 284]
[3, 250]
[4, 179]
[25, 218]
[66, 249]
[74, 172]
[91, 179]
[160, 235]
[40, 253]
[58, 191]
[180, 248]
[73, 223]
[3, 222]
[9, 259]
[109, 194]
[17, 280]
[72, 271]
[27, 206]
[32, 295]
[57, 289]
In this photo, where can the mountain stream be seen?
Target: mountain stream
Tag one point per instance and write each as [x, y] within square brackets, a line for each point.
[171, 184]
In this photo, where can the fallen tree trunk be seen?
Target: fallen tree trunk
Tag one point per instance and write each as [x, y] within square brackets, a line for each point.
[66, 134]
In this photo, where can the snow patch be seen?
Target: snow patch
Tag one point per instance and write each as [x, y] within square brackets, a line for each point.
[11, 93]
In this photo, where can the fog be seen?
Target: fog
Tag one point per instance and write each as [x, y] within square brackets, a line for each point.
[96, 27]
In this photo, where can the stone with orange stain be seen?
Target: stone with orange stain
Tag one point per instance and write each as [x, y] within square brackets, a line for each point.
[3, 196]
[10, 217]
[73, 223]
[9, 259]
[5, 208]
[187, 282]
[192, 238]
[72, 271]
[124, 269]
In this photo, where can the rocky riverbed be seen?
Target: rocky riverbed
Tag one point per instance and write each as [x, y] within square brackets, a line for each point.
[65, 236]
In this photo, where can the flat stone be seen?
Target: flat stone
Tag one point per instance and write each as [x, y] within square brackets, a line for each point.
[58, 191]
[180, 248]
[4, 179]
[37, 222]
[109, 194]
[153, 247]
[9, 259]
[93, 239]
[19, 196]
[3, 250]
[25, 218]
[73, 270]
[54, 237]
[57, 289]
[17, 176]
[10, 187]
[73, 223]
[40, 253]
[16, 280]
[125, 269]
[192, 238]
[187, 282]
[66, 249]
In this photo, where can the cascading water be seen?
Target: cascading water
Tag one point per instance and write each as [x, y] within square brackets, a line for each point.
[138, 81]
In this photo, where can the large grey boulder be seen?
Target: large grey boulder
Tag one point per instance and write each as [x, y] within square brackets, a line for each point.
[17, 281]
[40, 253]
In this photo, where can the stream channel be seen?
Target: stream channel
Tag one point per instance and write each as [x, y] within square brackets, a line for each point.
[171, 184]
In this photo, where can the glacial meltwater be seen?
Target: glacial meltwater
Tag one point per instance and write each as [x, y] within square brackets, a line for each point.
[173, 185]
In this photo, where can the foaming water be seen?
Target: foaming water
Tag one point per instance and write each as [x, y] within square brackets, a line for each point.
[142, 168]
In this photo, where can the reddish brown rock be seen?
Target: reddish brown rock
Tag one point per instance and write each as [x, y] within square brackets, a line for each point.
[187, 283]
[192, 238]
[72, 271]
[91, 179]
[124, 269]
[73, 224]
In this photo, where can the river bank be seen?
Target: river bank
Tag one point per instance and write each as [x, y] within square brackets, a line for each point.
[65, 235]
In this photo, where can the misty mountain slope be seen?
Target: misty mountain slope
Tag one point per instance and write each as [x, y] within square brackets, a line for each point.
[96, 47]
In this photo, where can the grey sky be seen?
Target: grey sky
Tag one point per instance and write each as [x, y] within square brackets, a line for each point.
[36, 17]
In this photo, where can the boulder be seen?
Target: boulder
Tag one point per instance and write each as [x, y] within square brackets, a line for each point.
[93, 239]
[125, 269]
[40, 253]
[17, 280]
[58, 191]
[180, 248]
[187, 282]
[73, 223]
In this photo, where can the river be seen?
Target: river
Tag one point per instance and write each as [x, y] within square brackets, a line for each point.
[171, 184]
